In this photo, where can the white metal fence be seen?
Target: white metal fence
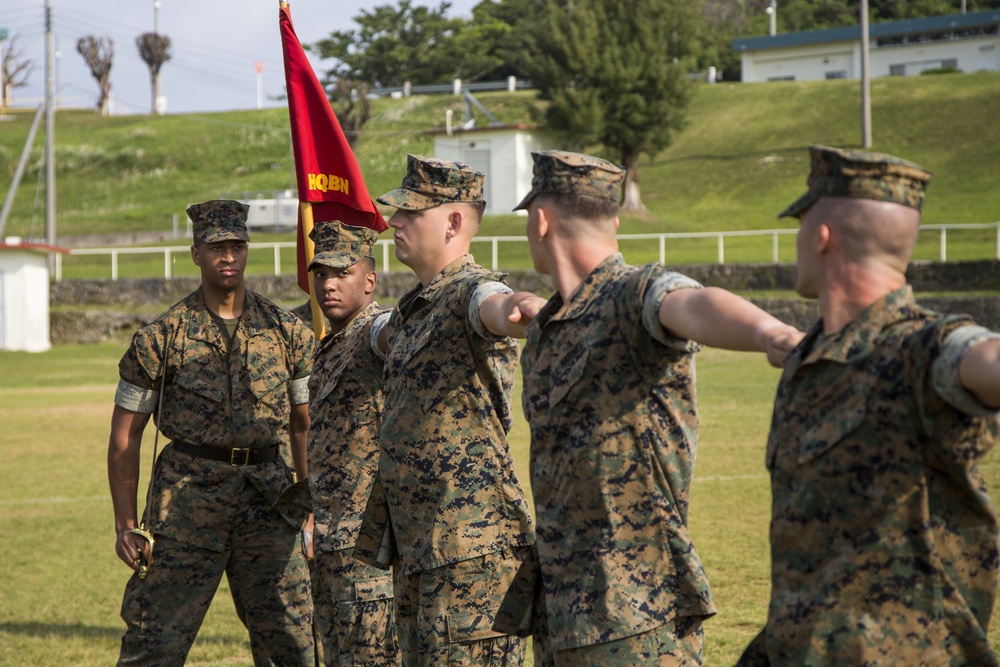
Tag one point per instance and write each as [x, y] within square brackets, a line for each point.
[494, 241]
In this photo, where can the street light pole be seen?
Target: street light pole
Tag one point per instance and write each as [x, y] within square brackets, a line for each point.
[866, 88]
[50, 134]
[772, 15]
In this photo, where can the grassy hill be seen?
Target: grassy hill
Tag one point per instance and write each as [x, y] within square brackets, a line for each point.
[741, 159]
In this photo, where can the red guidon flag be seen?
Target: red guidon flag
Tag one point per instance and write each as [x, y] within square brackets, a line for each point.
[328, 176]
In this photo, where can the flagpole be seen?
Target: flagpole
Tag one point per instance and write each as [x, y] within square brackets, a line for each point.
[319, 322]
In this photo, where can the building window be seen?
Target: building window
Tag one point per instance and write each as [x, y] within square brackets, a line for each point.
[781, 78]
[897, 70]
[838, 74]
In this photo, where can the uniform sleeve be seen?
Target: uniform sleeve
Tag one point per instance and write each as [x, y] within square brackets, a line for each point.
[481, 294]
[301, 349]
[944, 370]
[377, 326]
[138, 369]
[658, 289]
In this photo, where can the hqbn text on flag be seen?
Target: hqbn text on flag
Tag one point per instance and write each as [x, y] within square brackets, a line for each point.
[329, 182]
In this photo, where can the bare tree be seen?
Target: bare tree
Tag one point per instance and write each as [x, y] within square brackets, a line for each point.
[98, 53]
[154, 49]
[353, 107]
[15, 72]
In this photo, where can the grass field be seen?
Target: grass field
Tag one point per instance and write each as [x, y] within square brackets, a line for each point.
[741, 159]
[61, 584]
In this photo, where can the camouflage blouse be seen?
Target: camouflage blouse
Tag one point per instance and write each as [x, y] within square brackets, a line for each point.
[883, 538]
[239, 398]
[446, 466]
[345, 405]
[610, 399]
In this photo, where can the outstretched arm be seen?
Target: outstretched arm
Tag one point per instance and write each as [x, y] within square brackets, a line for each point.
[123, 478]
[718, 318]
[980, 372]
[510, 314]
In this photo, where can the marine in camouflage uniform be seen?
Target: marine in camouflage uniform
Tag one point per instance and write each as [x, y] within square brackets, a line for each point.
[883, 539]
[354, 607]
[456, 508]
[609, 394]
[224, 391]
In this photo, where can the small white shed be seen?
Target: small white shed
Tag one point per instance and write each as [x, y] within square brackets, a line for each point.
[24, 295]
[502, 152]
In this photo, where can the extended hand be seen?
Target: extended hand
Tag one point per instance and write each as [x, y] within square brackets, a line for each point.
[523, 307]
[779, 340]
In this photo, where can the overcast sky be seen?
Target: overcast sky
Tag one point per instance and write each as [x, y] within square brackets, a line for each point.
[214, 47]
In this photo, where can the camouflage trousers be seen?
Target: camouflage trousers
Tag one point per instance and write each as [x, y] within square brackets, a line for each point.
[268, 577]
[354, 611]
[444, 616]
[675, 644]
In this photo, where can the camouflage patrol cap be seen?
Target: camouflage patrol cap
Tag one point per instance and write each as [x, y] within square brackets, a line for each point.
[565, 173]
[219, 220]
[430, 182]
[339, 246]
[862, 174]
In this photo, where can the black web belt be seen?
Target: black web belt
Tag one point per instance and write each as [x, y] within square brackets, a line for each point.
[237, 456]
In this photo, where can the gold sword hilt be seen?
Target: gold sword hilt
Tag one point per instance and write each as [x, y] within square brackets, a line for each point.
[145, 561]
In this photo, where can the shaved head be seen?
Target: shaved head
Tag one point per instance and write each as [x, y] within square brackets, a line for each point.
[871, 231]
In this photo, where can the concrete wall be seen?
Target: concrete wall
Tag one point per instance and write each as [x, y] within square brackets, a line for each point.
[121, 307]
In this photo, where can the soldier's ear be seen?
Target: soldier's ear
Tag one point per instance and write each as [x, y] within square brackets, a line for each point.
[455, 221]
[195, 255]
[544, 217]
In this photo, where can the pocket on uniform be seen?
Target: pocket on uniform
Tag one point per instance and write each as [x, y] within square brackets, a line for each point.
[199, 385]
[373, 589]
[472, 627]
[841, 415]
[263, 384]
[565, 380]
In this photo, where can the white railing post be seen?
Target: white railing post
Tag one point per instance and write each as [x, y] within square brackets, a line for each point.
[943, 252]
[663, 249]
[114, 264]
[774, 248]
[496, 253]
[58, 266]
[166, 264]
[277, 260]
[722, 250]
[385, 257]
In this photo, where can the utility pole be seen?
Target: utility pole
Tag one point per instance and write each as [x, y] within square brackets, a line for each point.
[50, 135]
[866, 87]
[772, 15]
[156, 79]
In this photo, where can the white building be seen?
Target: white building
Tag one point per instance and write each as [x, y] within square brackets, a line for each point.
[24, 295]
[501, 152]
[965, 42]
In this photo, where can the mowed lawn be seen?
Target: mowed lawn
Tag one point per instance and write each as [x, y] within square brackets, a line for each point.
[61, 583]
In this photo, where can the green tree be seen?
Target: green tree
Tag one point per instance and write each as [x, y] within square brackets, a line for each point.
[615, 74]
[394, 44]
[508, 30]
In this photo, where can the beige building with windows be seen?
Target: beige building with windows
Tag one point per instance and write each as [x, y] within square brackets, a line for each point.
[964, 42]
